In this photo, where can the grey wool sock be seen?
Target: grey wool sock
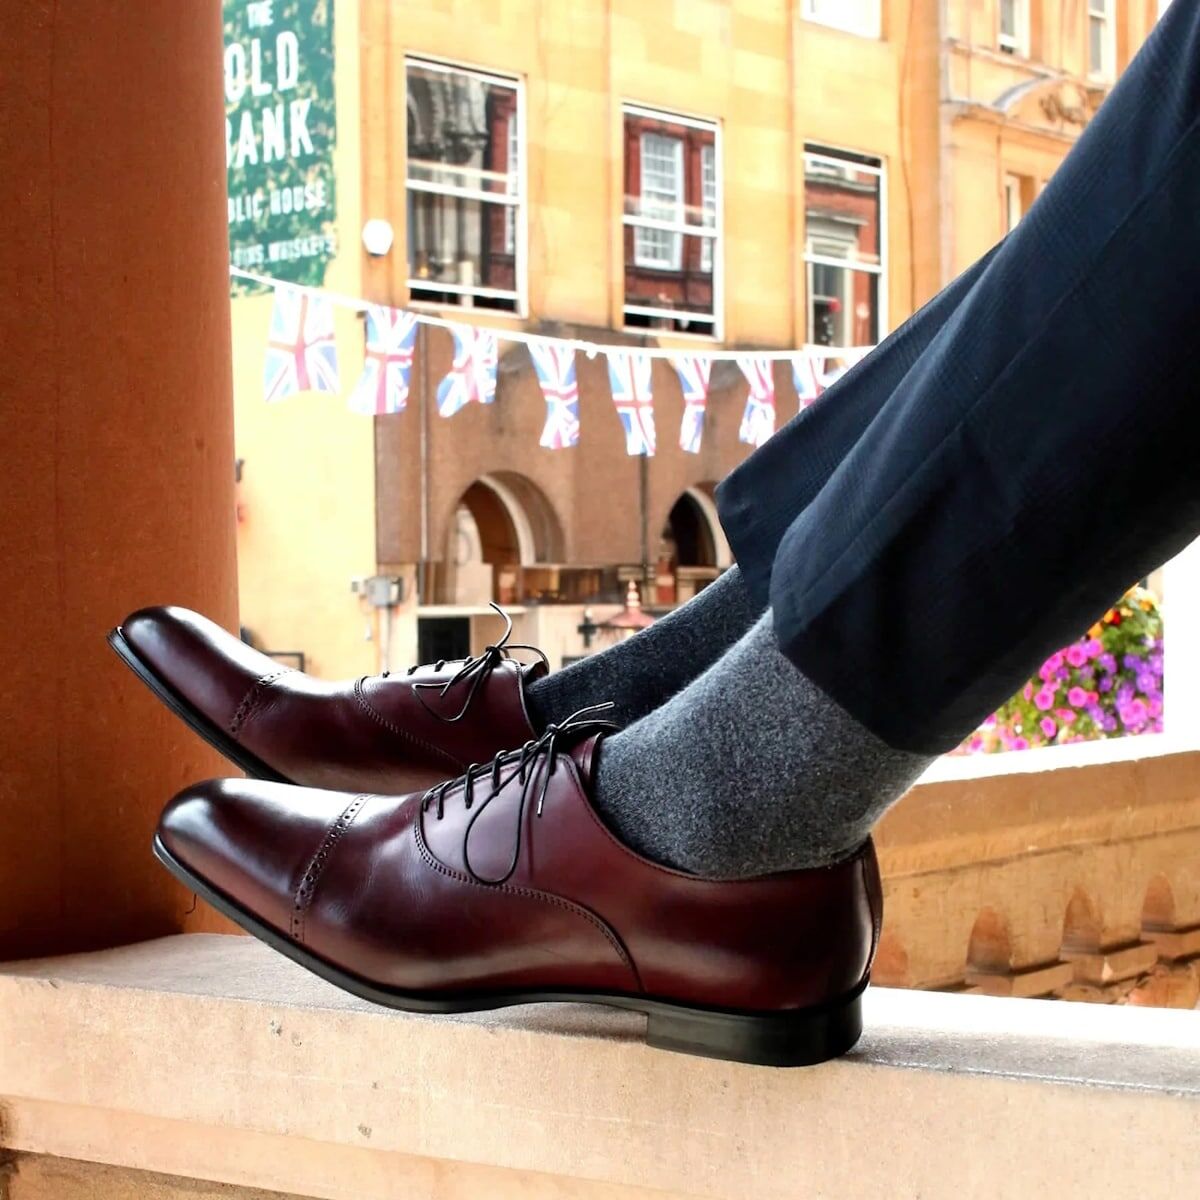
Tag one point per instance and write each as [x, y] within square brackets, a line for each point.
[751, 769]
[646, 670]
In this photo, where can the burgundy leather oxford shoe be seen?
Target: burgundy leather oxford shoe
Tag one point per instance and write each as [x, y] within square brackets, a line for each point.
[385, 733]
[504, 887]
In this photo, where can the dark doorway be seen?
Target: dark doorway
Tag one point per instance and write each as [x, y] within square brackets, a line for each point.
[445, 638]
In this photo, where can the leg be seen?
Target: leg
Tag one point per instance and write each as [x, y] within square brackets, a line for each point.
[1034, 460]
[993, 506]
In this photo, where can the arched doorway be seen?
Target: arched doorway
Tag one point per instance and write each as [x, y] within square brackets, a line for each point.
[693, 549]
[502, 526]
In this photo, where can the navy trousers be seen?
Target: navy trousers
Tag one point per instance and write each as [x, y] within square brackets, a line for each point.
[980, 488]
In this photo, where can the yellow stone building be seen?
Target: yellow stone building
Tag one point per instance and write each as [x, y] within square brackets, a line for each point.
[679, 173]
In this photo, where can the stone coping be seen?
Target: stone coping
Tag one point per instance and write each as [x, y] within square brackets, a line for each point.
[209, 1056]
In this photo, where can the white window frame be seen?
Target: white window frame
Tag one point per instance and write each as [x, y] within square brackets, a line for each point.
[513, 197]
[841, 160]
[1102, 11]
[1016, 42]
[711, 233]
[861, 17]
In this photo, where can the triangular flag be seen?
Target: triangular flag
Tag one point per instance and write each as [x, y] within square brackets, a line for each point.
[473, 373]
[301, 352]
[832, 369]
[758, 420]
[694, 371]
[629, 377]
[554, 363]
[383, 385]
[804, 376]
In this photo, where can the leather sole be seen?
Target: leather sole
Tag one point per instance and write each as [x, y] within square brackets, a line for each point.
[794, 1039]
[196, 721]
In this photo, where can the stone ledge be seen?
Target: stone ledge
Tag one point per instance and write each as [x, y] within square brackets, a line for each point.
[210, 1057]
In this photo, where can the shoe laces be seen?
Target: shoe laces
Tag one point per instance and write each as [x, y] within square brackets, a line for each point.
[474, 671]
[533, 764]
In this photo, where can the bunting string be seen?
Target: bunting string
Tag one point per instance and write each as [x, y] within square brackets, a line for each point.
[301, 355]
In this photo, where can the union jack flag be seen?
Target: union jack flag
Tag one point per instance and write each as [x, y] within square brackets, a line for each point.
[629, 378]
[555, 366]
[804, 376]
[301, 352]
[832, 369]
[694, 372]
[473, 373]
[383, 385]
[758, 421]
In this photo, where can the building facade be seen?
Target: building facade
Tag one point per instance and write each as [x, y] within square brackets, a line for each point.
[689, 175]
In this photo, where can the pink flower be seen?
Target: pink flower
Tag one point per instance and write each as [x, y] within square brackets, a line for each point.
[1076, 655]
[1093, 697]
[1077, 697]
[1020, 743]
[1156, 707]
[1044, 700]
[1066, 715]
[990, 723]
[1028, 692]
[1095, 648]
[1049, 728]
[1054, 661]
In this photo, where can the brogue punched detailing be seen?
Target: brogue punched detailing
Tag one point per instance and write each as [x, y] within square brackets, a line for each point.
[316, 867]
[252, 699]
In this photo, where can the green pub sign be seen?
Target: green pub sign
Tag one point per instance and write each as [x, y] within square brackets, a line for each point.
[280, 127]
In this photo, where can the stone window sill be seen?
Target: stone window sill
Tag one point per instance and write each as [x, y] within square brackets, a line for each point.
[208, 1057]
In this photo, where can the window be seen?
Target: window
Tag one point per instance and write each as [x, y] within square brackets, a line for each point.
[1014, 27]
[465, 190]
[843, 204]
[1012, 202]
[1101, 43]
[671, 222]
[662, 200]
[854, 16]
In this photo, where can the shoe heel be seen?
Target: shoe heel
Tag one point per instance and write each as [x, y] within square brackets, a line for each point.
[799, 1039]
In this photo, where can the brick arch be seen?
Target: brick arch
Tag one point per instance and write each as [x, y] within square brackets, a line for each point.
[1158, 907]
[696, 502]
[518, 514]
[1081, 924]
[989, 949]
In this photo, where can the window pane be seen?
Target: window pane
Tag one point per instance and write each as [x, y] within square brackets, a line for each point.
[665, 171]
[855, 16]
[461, 243]
[843, 306]
[842, 209]
[1096, 32]
[1008, 19]
[670, 189]
[708, 198]
[682, 294]
[463, 145]
[460, 127]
